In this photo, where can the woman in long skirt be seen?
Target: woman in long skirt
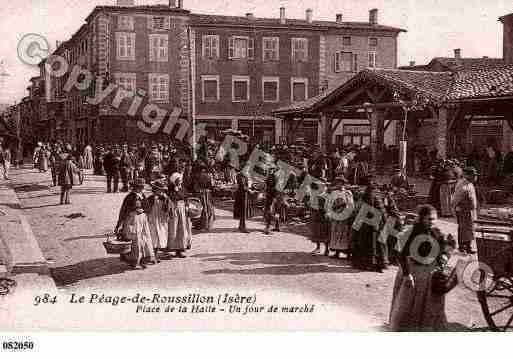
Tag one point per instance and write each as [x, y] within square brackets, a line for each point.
[135, 227]
[368, 252]
[43, 159]
[158, 217]
[319, 226]
[415, 304]
[180, 234]
[340, 228]
[88, 157]
[204, 185]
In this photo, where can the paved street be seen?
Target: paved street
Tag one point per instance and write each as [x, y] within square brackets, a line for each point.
[71, 240]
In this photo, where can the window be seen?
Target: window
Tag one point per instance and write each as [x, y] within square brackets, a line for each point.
[298, 89]
[241, 47]
[372, 59]
[271, 89]
[345, 61]
[159, 87]
[125, 44]
[299, 49]
[346, 41]
[373, 41]
[240, 88]
[211, 46]
[271, 46]
[125, 23]
[159, 23]
[127, 81]
[159, 47]
[210, 88]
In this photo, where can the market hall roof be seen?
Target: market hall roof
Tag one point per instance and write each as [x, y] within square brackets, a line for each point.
[434, 87]
[457, 64]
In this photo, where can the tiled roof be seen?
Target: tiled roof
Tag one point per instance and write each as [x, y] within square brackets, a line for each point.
[206, 19]
[438, 87]
[467, 63]
[495, 82]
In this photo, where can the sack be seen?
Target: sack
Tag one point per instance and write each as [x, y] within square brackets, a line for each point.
[443, 282]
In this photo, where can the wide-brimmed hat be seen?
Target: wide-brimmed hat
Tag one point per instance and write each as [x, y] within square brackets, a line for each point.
[174, 177]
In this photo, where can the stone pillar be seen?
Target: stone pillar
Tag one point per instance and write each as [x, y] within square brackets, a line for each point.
[441, 135]
[235, 124]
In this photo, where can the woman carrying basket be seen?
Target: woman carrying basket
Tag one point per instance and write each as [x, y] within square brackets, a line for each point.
[135, 228]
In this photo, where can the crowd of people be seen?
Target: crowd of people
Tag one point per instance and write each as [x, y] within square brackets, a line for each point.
[162, 223]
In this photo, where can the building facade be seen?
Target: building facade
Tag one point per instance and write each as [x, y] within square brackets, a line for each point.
[223, 71]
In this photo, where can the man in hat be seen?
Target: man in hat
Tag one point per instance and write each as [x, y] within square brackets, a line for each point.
[464, 204]
[271, 199]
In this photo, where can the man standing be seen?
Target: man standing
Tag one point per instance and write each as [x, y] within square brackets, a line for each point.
[464, 205]
[126, 167]
[111, 164]
[241, 204]
[271, 198]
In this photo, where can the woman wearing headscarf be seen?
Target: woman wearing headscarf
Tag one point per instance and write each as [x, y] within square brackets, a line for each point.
[158, 216]
[368, 252]
[135, 227]
[319, 225]
[44, 156]
[180, 236]
[88, 157]
[341, 216]
[418, 300]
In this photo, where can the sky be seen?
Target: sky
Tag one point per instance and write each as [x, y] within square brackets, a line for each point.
[435, 27]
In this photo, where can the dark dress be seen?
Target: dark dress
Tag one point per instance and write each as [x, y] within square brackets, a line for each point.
[204, 187]
[241, 206]
[367, 251]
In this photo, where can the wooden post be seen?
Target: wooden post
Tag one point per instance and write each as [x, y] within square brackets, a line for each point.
[441, 135]
[377, 123]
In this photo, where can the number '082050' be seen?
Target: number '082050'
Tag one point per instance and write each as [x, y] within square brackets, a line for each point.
[17, 345]
[45, 299]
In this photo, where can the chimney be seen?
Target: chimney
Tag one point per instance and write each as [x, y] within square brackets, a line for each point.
[283, 20]
[309, 15]
[125, 2]
[57, 44]
[373, 16]
[339, 18]
[412, 63]
[250, 16]
[179, 4]
[457, 54]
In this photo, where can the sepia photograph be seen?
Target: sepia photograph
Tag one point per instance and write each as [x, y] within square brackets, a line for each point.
[253, 165]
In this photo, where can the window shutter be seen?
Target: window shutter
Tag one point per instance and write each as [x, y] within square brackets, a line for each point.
[292, 48]
[251, 48]
[355, 62]
[231, 48]
[152, 48]
[305, 44]
[167, 23]
[215, 46]
[204, 50]
[150, 22]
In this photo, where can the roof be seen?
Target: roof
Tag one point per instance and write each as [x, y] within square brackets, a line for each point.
[453, 64]
[495, 82]
[139, 8]
[223, 20]
[435, 87]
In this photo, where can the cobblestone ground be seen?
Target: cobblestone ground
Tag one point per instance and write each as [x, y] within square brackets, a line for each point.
[71, 239]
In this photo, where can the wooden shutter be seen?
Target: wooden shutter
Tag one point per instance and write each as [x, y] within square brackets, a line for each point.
[231, 48]
[251, 48]
[215, 46]
[355, 62]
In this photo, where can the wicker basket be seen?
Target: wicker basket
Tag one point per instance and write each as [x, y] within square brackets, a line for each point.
[497, 253]
[194, 208]
[117, 247]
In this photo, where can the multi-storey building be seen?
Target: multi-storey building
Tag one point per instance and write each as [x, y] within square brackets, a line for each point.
[224, 71]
